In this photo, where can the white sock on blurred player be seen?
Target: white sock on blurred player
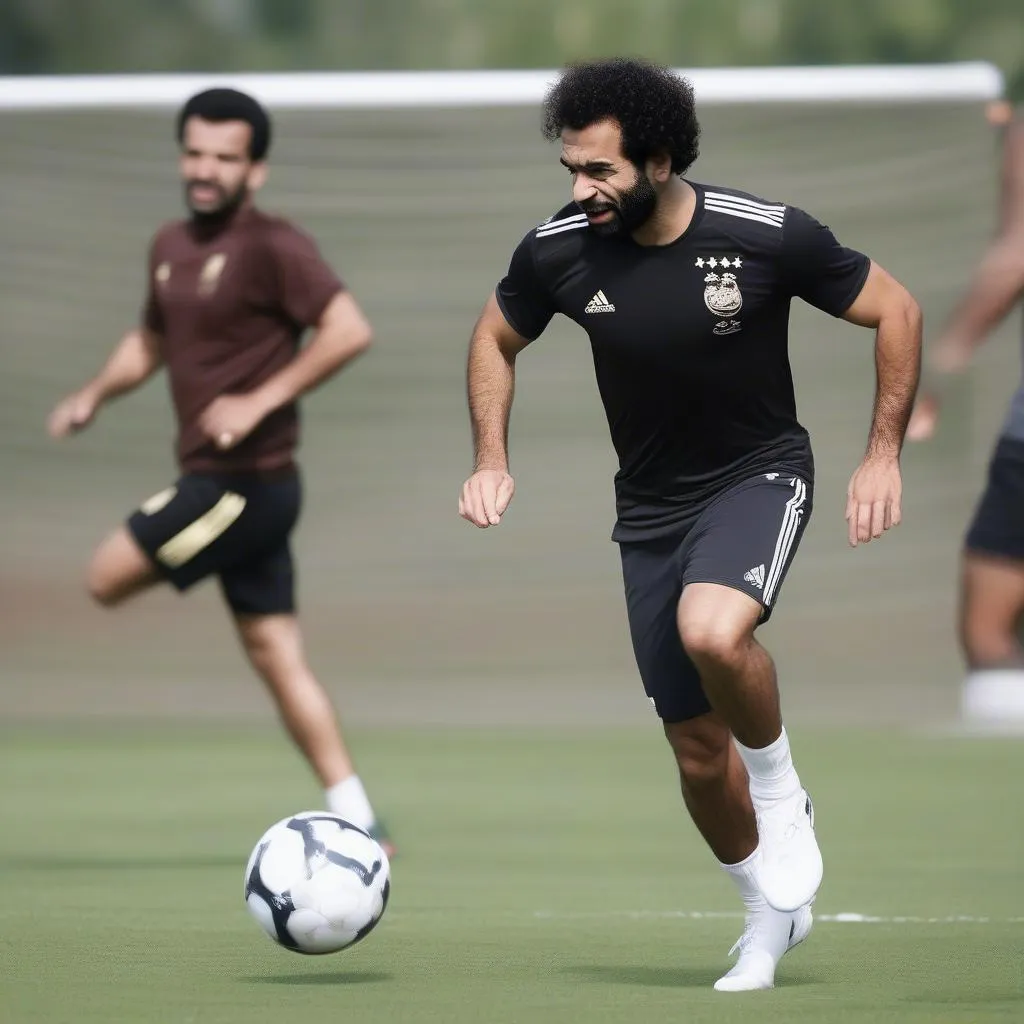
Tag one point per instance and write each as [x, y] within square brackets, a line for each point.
[994, 698]
[348, 800]
[791, 867]
[767, 933]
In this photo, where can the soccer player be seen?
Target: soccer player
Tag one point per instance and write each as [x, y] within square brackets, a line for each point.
[231, 292]
[992, 562]
[684, 290]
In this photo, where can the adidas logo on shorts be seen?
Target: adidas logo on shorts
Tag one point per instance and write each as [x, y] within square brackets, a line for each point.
[755, 576]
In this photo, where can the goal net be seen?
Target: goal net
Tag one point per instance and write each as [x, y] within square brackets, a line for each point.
[418, 186]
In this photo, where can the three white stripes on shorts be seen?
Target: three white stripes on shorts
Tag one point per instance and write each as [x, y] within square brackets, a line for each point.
[791, 518]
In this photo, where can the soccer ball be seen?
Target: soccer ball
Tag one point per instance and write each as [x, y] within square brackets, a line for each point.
[315, 883]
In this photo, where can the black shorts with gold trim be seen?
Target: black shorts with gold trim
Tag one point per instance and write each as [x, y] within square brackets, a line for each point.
[236, 527]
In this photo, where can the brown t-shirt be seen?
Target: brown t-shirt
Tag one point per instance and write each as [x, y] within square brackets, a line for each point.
[230, 307]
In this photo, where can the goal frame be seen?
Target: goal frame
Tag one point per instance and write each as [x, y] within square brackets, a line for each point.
[978, 81]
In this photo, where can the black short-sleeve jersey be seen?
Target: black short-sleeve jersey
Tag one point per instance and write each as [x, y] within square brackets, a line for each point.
[690, 341]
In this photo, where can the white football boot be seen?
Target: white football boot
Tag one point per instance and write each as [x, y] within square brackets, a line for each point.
[791, 867]
[767, 936]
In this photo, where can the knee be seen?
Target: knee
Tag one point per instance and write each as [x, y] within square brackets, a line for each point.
[711, 642]
[272, 645]
[100, 586]
[119, 568]
[701, 747]
[716, 625]
[260, 652]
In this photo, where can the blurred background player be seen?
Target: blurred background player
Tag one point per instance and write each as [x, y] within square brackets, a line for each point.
[992, 563]
[685, 291]
[231, 292]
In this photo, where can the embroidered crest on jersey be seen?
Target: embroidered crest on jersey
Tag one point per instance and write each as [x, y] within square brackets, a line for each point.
[210, 274]
[722, 293]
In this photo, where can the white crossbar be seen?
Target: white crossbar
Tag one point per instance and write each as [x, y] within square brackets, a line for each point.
[978, 81]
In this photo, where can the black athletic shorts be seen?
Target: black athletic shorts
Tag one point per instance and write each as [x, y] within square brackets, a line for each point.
[746, 539]
[998, 525]
[236, 527]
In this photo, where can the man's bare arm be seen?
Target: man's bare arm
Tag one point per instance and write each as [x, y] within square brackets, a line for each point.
[997, 283]
[342, 333]
[132, 363]
[875, 495]
[490, 383]
[135, 359]
[885, 305]
[999, 279]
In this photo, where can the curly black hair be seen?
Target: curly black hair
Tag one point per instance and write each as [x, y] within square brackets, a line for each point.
[653, 106]
[230, 105]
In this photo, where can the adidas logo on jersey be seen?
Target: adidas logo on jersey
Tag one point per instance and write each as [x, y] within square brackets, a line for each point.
[600, 304]
[755, 576]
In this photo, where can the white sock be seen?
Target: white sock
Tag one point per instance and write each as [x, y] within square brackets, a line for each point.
[745, 875]
[995, 696]
[348, 800]
[772, 775]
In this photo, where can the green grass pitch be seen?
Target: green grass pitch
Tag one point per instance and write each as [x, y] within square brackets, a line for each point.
[542, 876]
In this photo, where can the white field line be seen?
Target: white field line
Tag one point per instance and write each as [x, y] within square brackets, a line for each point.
[714, 915]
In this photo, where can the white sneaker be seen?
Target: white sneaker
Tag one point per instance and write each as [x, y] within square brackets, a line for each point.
[767, 937]
[791, 866]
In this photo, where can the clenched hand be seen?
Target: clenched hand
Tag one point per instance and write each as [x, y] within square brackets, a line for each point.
[230, 419]
[485, 496]
[73, 413]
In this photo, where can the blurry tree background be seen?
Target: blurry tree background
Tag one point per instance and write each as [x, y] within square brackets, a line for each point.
[74, 36]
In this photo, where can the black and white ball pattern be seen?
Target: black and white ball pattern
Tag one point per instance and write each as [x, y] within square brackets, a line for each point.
[316, 883]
